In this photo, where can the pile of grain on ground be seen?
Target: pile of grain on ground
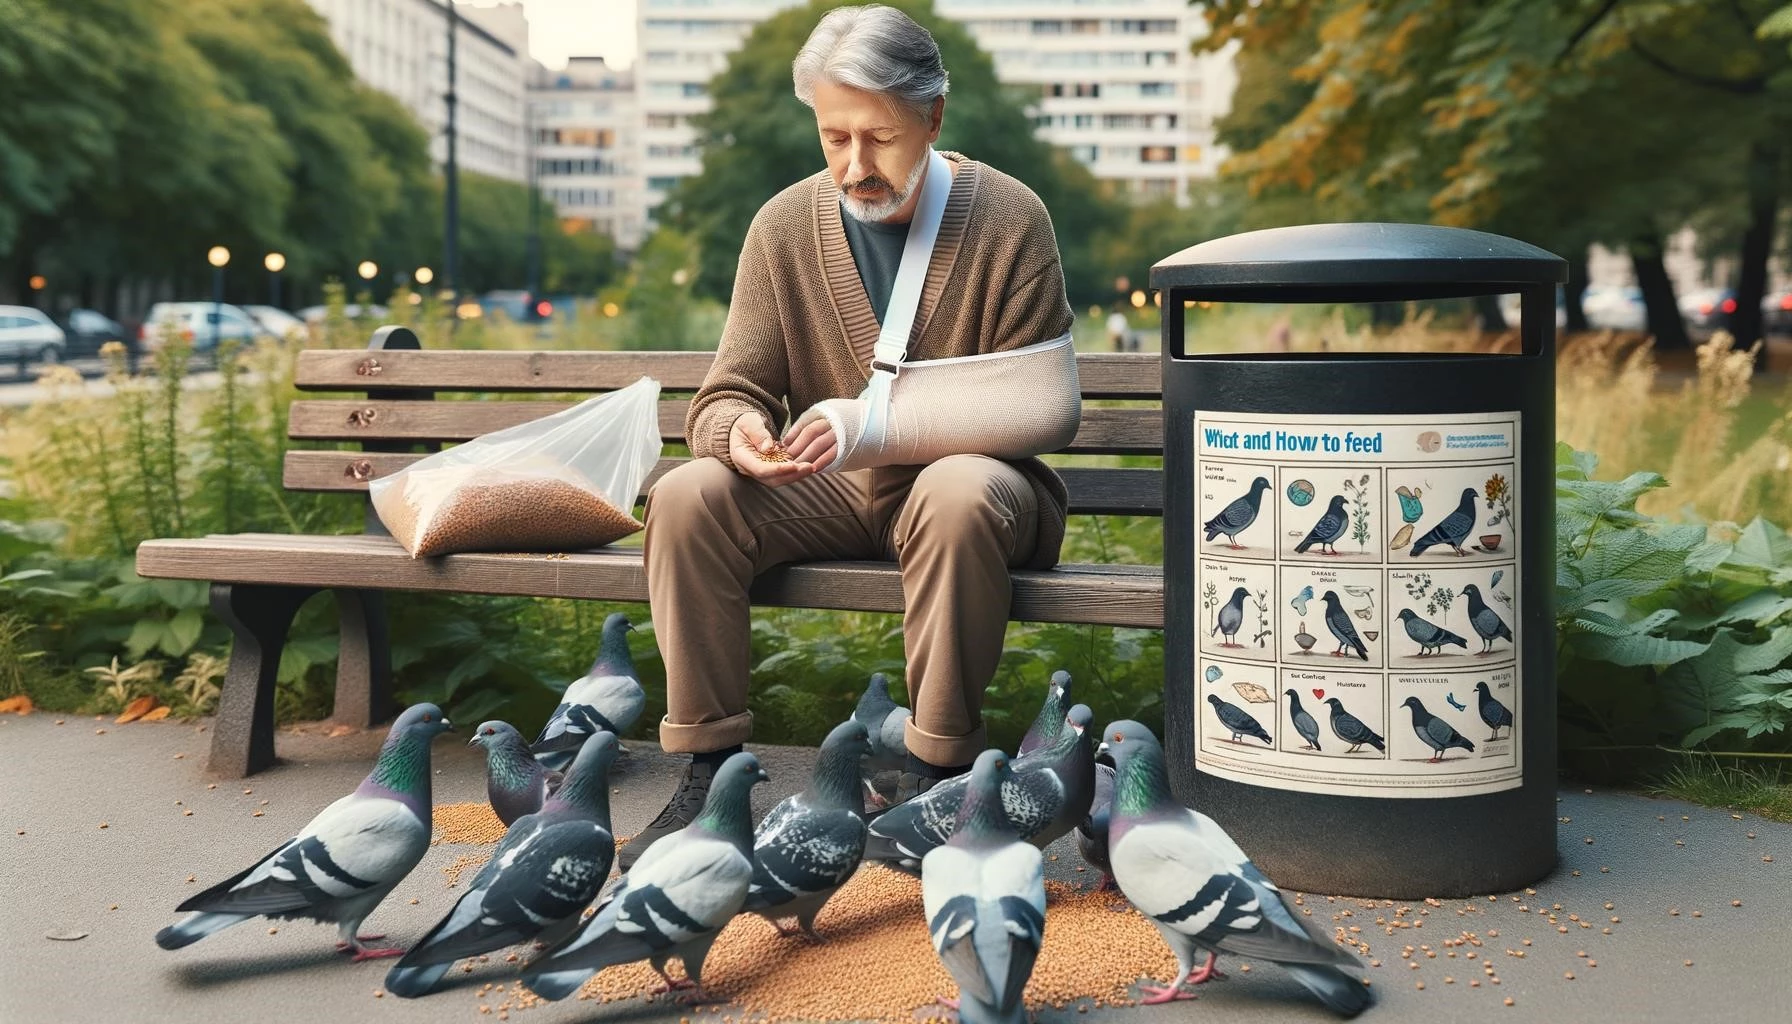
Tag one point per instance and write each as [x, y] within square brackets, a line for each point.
[876, 935]
[469, 824]
[460, 864]
[480, 508]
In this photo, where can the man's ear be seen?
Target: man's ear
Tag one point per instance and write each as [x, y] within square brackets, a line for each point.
[936, 119]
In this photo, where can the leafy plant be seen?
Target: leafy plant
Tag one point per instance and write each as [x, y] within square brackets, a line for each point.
[1359, 511]
[1261, 600]
[1438, 600]
[199, 681]
[1498, 494]
[122, 684]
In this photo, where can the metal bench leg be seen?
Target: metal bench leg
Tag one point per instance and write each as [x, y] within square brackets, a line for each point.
[363, 661]
[258, 617]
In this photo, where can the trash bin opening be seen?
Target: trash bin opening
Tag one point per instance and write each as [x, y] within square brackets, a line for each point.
[1487, 325]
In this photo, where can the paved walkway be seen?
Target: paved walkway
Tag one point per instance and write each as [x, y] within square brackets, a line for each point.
[67, 875]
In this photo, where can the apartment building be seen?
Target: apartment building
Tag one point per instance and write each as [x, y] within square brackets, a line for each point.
[587, 148]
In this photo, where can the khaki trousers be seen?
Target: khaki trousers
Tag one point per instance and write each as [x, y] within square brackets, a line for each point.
[954, 527]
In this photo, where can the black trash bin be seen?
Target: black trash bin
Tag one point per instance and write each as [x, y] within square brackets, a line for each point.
[1358, 621]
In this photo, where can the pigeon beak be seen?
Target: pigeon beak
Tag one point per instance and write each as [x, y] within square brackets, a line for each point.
[1101, 750]
[447, 726]
[474, 742]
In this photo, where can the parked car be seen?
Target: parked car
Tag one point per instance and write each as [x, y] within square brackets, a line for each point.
[195, 321]
[278, 322]
[1611, 307]
[316, 314]
[28, 335]
[1776, 311]
[1713, 307]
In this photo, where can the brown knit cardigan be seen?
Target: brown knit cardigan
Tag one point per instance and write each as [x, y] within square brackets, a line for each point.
[801, 329]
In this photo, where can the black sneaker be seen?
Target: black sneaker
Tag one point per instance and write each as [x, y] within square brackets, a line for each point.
[680, 811]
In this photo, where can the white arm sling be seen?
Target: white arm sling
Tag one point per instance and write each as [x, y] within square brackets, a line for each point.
[1007, 405]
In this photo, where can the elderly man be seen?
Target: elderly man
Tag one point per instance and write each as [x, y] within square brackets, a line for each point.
[811, 293]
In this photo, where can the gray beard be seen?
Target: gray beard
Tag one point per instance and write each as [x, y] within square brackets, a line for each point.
[877, 212]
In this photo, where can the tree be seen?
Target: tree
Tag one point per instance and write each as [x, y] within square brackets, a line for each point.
[759, 138]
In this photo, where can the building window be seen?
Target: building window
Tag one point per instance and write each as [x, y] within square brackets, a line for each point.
[1088, 90]
[1083, 121]
[661, 184]
[1086, 154]
[1048, 28]
[662, 120]
[695, 89]
[1157, 154]
[1085, 27]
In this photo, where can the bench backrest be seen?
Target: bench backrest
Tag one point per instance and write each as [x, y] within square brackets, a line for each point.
[399, 381]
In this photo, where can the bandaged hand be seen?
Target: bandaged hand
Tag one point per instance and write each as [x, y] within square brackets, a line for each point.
[812, 442]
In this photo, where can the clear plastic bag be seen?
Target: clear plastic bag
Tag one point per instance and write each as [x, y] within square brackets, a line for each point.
[565, 482]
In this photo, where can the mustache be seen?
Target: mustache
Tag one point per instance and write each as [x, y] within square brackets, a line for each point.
[871, 181]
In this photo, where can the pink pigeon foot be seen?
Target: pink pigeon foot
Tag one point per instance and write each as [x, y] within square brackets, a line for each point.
[375, 953]
[1158, 994]
[1207, 972]
[948, 1002]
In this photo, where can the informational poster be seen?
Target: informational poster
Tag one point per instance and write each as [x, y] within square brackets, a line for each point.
[1356, 584]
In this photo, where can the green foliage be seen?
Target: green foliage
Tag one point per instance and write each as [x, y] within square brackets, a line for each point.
[1715, 782]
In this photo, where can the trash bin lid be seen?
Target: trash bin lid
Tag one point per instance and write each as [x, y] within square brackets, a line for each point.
[1367, 258]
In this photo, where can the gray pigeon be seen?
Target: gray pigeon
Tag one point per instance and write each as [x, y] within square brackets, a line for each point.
[1434, 732]
[1495, 714]
[1190, 879]
[885, 722]
[1352, 729]
[1237, 720]
[1430, 636]
[1328, 530]
[1092, 834]
[1338, 621]
[345, 861]
[673, 902]
[1303, 722]
[1237, 517]
[515, 782]
[1487, 623]
[984, 897]
[1230, 617]
[1453, 529]
[1049, 793]
[545, 871]
[812, 842]
[608, 698]
[1049, 722]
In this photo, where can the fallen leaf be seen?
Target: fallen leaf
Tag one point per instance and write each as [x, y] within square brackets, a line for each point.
[156, 715]
[1253, 693]
[65, 936]
[341, 730]
[135, 709]
[19, 705]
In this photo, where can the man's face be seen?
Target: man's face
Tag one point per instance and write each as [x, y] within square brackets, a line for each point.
[876, 150]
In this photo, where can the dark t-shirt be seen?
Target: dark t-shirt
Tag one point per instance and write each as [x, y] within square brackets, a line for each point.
[877, 252]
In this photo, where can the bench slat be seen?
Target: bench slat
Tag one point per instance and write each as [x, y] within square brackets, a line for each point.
[1115, 595]
[1103, 431]
[1102, 374]
[1093, 491]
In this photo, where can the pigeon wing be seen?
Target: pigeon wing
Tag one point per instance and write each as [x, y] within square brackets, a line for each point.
[803, 851]
[1441, 731]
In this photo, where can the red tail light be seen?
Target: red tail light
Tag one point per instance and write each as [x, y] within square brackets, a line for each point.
[1786, 301]
[1729, 305]
[544, 308]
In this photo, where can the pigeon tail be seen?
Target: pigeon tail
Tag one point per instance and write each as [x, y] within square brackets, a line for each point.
[557, 985]
[1342, 992]
[196, 927]
[412, 982]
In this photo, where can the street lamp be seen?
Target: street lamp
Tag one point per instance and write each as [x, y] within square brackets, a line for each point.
[367, 269]
[275, 262]
[425, 275]
[218, 256]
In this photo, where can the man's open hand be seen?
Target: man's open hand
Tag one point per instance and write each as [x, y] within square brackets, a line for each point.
[749, 437]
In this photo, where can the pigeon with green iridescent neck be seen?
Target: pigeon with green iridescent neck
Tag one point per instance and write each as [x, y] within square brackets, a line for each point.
[608, 698]
[673, 902]
[1187, 876]
[811, 842]
[515, 782]
[1050, 720]
[545, 871]
[346, 860]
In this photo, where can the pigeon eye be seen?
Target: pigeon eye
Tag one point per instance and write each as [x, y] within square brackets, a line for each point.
[426, 717]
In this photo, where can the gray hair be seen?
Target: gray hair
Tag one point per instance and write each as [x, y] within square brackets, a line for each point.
[876, 48]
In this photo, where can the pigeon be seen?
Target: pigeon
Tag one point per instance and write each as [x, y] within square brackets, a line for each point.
[1050, 792]
[1050, 720]
[1092, 833]
[1328, 530]
[1493, 712]
[1487, 623]
[1434, 732]
[885, 722]
[1190, 879]
[1235, 518]
[812, 842]
[345, 861]
[673, 902]
[608, 698]
[1352, 729]
[515, 782]
[1230, 617]
[1338, 621]
[1237, 720]
[1453, 529]
[1300, 600]
[1428, 635]
[547, 868]
[1303, 722]
[984, 896]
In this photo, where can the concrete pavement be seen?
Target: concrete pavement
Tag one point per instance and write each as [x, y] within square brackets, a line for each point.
[116, 885]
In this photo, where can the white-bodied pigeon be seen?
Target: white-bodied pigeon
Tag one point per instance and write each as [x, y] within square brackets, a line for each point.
[608, 698]
[884, 721]
[1188, 877]
[812, 842]
[344, 861]
[984, 896]
[676, 899]
[549, 866]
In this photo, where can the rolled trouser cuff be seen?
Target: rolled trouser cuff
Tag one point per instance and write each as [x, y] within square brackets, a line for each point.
[705, 737]
[946, 751]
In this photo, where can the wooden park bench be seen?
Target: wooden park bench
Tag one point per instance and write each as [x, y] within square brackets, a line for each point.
[258, 581]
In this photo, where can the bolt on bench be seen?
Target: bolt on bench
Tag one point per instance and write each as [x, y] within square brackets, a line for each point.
[258, 581]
